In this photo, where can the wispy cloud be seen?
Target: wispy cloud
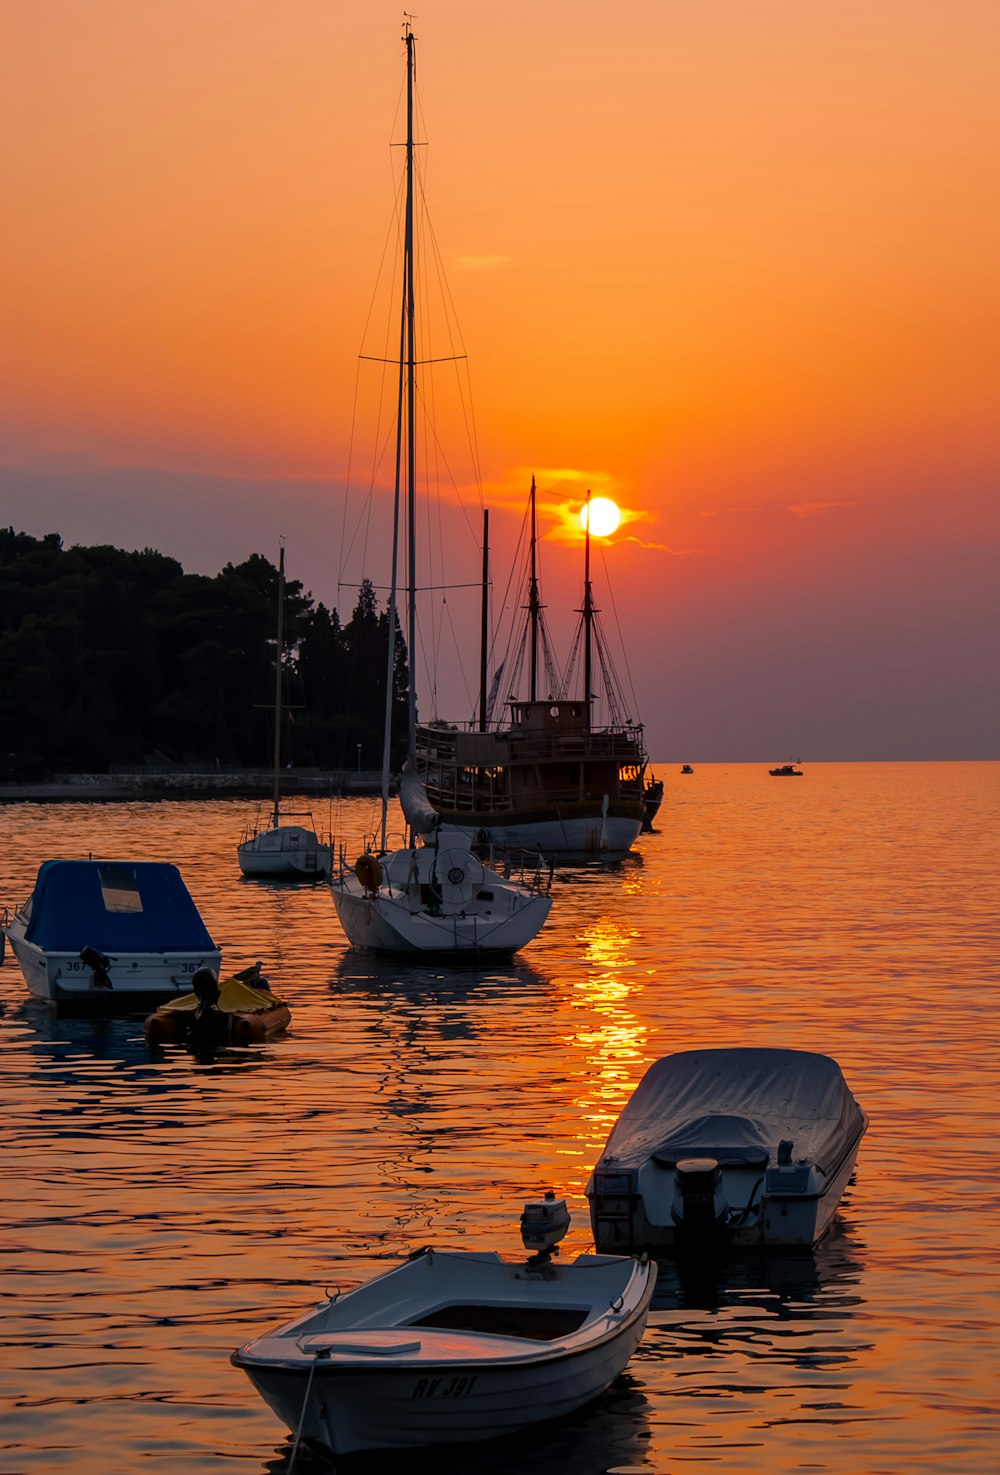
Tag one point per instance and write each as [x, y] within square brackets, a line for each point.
[810, 509]
[659, 547]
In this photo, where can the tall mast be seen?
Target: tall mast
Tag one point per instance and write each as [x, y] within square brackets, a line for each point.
[533, 603]
[278, 654]
[484, 627]
[588, 615]
[390, 656]
[411, 397]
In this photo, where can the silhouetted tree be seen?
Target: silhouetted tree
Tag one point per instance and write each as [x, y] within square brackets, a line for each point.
[108, 656]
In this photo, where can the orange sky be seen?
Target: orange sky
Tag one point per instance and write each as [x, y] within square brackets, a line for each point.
[733, 263]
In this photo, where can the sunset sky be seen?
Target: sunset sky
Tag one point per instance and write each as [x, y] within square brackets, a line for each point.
[732, 263]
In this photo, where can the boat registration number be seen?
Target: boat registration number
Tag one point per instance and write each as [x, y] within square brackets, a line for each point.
[444, 1387]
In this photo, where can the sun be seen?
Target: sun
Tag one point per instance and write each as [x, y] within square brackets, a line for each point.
[604, 516]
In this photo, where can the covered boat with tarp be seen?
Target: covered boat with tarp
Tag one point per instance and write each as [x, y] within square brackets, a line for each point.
[119, 935]
[716, 1147]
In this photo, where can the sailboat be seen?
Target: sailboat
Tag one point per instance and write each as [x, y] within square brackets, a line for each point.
[437, 897]
[550, 778]
[293, 851]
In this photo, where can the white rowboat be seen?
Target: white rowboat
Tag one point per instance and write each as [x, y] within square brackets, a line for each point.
[452, 1346]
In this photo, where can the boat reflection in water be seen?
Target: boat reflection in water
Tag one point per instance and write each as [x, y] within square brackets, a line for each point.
[783, 1325]
[612, 1433]
[793, 1284]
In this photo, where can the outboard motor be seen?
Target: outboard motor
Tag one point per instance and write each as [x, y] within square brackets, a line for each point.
[700, 1209]
[544, 1223]
[99, 965]
[209, 1025]
[206, 989]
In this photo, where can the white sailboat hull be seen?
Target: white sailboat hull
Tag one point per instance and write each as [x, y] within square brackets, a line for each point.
[288, 851]
[393, 1381]
[386, 925]
[438, 899]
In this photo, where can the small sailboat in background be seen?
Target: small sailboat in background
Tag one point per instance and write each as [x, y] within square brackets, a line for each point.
[290, 851]
[435, 898]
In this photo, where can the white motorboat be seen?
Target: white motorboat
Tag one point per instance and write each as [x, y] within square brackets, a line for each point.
[454, 1346]
[434, 898]
[288, 851]
[727, 1147]
[116, 935]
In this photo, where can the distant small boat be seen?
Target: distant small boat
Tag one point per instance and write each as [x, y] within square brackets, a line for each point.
[239, 1011]
[455, 1345]
[114, 935]
[786, 770]
[686, 768]
[720, 1148]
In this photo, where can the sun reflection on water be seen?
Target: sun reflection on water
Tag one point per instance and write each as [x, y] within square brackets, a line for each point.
[610, 1037]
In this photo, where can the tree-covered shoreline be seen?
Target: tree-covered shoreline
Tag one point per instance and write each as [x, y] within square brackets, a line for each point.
[113, 657]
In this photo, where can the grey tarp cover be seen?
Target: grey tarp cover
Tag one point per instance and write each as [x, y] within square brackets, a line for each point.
[736, 1106]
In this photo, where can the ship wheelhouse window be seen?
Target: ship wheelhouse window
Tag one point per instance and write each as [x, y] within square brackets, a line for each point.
[120, 888]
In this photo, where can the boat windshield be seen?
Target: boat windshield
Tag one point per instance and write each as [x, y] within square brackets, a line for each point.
[120, 888]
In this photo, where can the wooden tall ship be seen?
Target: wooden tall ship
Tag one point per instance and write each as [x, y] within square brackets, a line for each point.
[547, 778]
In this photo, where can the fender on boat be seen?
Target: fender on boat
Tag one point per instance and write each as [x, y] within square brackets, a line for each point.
[368, 870]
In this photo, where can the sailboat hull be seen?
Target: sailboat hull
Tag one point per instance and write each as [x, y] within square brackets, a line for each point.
[386, 925]
[288, 851]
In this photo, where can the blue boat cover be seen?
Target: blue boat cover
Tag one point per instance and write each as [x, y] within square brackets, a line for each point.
[115, 906]
[736, 1106]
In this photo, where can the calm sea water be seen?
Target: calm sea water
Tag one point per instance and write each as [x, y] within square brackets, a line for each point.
[160, 1211]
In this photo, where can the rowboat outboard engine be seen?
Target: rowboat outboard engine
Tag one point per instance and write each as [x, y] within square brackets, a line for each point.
[544, 1223]
[99, 964]
[209, 1025]
[699, 1209]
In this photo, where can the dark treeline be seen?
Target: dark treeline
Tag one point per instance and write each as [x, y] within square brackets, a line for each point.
[112, 657]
